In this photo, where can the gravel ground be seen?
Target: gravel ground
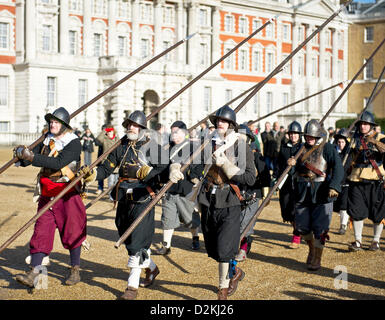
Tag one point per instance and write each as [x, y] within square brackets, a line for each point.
[273, 271]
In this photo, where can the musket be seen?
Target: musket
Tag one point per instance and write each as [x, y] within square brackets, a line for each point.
[102, 94]
[208, 139]
[78, 178]
[372, 97]
[301, 150]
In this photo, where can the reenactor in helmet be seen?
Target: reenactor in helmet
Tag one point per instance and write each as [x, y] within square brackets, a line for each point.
[340, 205]
[286, 193]
[317, 182]
[232, 165]
[251, 194]
[59, 158]
[366, 195]
[139, 163]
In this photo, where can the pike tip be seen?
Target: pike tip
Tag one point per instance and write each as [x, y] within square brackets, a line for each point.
[190, 36]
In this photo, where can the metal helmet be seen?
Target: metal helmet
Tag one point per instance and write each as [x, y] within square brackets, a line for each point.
[342, 133]
[313, 129]
[224, 113]
[136, 117]
[367, 117]
[294, 127]
[61, 115]
[244, 129]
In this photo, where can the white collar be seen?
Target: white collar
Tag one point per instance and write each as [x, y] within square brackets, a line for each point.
[62, 142]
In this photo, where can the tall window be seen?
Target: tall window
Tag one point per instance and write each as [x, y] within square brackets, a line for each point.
[287, 67]
[146, 12]
[203, 17]
[166, 45]
[168, 15]
[256, 24]
[269, 61]
[269, 101]
[229, 61]
[229, 23]
[300, 66]
[228, 95]
[122, 43]
[124, 9]
[47, 38]
[286, 32]
[368, 71]
[82, 94]
[51, 91]
[369, 34]
[327, 68]
[73, 42]
[4, 35]
[100, 7]
[285, 98]
[4, 126]
[243, 60]
[3, 90]
[144, 48]
[204, 54]
[301, 33]
[76, 5]
[269, 31]
[97, 44]
[256, 102]
[257, 61]
[243, 25]
[314, 66]
[207, 98]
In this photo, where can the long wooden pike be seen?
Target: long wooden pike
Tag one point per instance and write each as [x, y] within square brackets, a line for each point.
[113, 147]
[102, 94]
[301, 150]
[208, 139]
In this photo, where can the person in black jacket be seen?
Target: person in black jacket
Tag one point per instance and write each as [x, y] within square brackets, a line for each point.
[317, 182]
[140, 162]
[59, 158]
[88, 141]
[341, 204]
[176, 207]
[251, 194]
[228, 168]
[286, 193]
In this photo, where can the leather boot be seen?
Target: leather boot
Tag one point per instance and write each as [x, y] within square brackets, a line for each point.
[222, 294]
[150, 277]
[130, 294]
[74, 276]
[310, 256]
[238, 276]
[28, 279]
[316, 263]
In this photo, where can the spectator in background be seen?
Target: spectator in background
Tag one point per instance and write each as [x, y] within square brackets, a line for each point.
[77, 132]
[331, 135]
[194, 135]
[269, 146]
[255, 145]
[211, 129]
[163, 135]
[204, 130]
[100, 152]
[378, 129]
[107, 139]
[88, 141]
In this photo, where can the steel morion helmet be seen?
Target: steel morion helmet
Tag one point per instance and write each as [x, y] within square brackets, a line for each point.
[224, 113]
[136, 117]
[342, 133]
[367, 117]
[61, 115]
[294, 127]
[313, 129]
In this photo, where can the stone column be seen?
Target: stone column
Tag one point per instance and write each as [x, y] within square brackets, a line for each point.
[20, 27]
[112, 43]
[192, 27]
[158, 20]
[181, 50]
[215, 43]
[321, 54]
[63, 37]
[334, 56]
[87, 28]
[30, 38]
[135, 28]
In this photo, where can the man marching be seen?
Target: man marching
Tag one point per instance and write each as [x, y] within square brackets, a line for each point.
[366, 195]
[286, 193]
[176, 207]
[59, 158]
[220, 199]
[139, 162]
[317, 182]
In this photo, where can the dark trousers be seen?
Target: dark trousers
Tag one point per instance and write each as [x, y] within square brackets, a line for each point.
[221, 231]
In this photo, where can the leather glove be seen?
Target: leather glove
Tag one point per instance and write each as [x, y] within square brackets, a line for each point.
[223, 162]
[143, 172]
[291, 162]
[175, 173]
[23, 153]
[379, 145]
[333, 193]
[89, 175]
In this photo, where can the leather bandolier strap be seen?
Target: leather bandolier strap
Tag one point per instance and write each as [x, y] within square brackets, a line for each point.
[372, 161]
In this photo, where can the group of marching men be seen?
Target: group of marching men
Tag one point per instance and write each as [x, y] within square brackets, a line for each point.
[225, 187]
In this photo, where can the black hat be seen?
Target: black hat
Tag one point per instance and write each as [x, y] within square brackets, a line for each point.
[179, 124]
[136, 117]
[244, 129]
[367, 117]
[61, 115]
[224, 113]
